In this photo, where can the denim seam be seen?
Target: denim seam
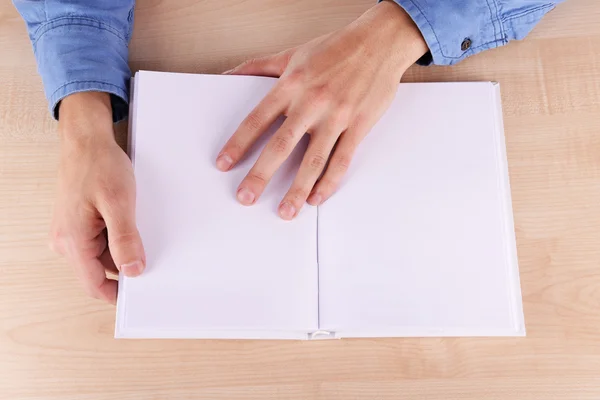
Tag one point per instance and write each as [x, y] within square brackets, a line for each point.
[85, 81]
[492, 19]
[523, 14]
[130, 23]
[499, 20]
[78, 21]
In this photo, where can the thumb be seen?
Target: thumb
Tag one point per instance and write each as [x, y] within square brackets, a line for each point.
[272, 66]
[124, 241]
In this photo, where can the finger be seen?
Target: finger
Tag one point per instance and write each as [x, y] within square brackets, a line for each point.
[103, 254]
[55, 242]
[273, 155]
[124, 241]
[95, 283]
[90, 271]
[337, 167]
[107, 262]
[312, 166]
[84, 253]
[272, 65]
[251, 128]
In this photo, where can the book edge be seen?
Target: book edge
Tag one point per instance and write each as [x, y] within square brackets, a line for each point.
[511, 245]
[121, 301]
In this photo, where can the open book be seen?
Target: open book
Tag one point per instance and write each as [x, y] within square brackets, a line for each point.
[418, 241]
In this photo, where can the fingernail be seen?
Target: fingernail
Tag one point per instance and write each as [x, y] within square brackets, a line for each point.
[245, 196]
[287, 211]
[224, 162]
[315, 199]
[132, 269]
[229, 71]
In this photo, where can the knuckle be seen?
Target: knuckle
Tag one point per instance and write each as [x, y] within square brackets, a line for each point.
[86, 249]
[233, 148]
[327, 185]
[342, 162]
[322, 94]
[343, 113]
[110, 195]
[293, 78]
[253, 121]
[317, 161]
[257, 177]
[298, 194]
[287, 133]
[359, 120]
[91, 290]
[114, 199]
[106, 190]
[337, 122]
[282, 142]
[87, 252]
[55, 241]
[122, 238]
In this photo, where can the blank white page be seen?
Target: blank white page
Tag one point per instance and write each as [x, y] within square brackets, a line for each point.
[419, 240]
[215, 269]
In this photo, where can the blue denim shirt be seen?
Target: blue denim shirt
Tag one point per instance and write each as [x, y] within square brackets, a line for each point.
[82, 45]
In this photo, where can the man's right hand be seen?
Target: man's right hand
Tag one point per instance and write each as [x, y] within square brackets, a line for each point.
[94, 219]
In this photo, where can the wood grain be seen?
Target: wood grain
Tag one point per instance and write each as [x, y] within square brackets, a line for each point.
[57, 344]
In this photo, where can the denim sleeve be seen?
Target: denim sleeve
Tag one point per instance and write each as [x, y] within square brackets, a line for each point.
[81, 45]
[456, 29]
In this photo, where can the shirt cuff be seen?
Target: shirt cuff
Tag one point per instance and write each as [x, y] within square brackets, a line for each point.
[455, 30]
[82, 55]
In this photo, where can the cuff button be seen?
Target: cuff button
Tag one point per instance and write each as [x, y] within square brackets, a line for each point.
[466, 44]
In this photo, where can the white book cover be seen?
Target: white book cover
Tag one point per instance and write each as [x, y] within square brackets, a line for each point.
[418, 240]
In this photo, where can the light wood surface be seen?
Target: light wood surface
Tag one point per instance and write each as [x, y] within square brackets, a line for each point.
[57, 344]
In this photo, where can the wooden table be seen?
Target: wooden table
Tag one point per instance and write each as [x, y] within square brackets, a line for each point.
[57, 344]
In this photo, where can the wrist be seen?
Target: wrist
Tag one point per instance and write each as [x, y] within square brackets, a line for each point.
[397, 32]
[86, 117]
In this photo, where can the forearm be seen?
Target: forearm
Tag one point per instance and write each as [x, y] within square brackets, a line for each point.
[81, 46]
